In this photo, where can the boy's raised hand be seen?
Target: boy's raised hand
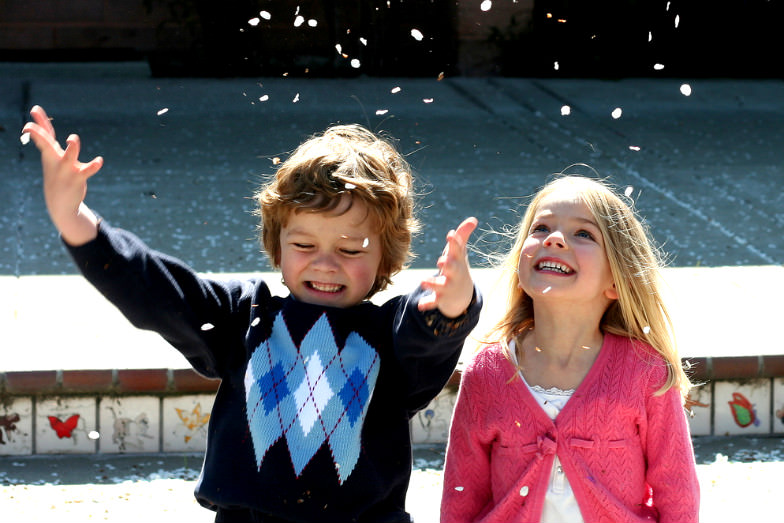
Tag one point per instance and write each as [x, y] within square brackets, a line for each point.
[453, 288]
[65, 180]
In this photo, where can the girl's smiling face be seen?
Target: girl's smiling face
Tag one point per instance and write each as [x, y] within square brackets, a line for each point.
[329, 258]
[563, 256]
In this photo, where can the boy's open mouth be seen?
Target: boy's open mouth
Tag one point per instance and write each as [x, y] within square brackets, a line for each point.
[325, 287]
[552, 266]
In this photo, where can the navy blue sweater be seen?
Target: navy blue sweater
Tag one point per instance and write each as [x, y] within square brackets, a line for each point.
[311, 419]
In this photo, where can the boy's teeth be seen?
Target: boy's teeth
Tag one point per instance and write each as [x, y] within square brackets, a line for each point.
[326, 287]
[554, 266]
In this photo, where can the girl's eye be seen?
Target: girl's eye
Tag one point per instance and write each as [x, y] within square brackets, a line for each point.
[539, 228]
[349, 252]
[302, 246]
[585, 234]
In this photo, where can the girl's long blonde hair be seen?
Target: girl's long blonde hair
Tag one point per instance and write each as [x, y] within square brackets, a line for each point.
[639, 313]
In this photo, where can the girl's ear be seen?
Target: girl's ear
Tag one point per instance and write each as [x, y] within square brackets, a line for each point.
[611, 292]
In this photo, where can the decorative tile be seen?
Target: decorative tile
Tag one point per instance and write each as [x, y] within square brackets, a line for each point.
[431, 424]
[65, 425]
[129, 424]
[742, 407]
[698, 403]
[185, 421]
[16, 427]
[778, 405]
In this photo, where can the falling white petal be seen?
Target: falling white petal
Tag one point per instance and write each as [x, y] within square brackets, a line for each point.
[296, 98]
[566, 110]
[646, 329]
[677, 21]
[486, 5]
[459, 489]
[263, 98]
[363, 41]
[365, 243]
[93, 434]
[658, 67]
[650, 36]
[546, 290]
[255, 321]
[355, 63]
[299, 20]
[339, 48]
[395, 90]
[427, 100]
[617, 112]
[312, 23]
[265, 15]
[253, 22]
[556, 66]
[207, 327]
[629, 190]
[634, 147]
[350, 186]
[25, 138]
[686, 90]
[417, 35]
[163, 111]
[381, 112]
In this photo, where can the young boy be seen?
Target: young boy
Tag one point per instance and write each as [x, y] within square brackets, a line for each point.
[310, 422]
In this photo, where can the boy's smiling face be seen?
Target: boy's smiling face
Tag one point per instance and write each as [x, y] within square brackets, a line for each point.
[329, 258]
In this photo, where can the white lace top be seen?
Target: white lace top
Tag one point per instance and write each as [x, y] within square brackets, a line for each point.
[560, 505]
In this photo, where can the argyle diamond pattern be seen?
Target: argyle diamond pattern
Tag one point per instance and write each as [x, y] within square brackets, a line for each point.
[311, 394]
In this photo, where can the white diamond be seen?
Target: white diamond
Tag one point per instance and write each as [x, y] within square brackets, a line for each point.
[313, 394]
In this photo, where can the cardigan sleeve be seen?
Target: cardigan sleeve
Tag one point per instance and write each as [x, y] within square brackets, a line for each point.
[467, 491]
[671, 473]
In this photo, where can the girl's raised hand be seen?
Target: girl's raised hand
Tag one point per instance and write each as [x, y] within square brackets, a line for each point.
[65, 180]
[453, 288]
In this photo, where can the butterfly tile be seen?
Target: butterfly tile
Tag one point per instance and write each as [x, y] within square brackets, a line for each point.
[129, 424]
[65, 425]
[431, 424]
[699, 405]
[185, 420]
[16, 427]
[742, 407]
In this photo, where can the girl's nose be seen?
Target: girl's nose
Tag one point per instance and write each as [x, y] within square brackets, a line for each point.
[555, 239]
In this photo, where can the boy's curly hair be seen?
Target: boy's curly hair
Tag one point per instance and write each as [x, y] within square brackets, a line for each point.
[345, 161]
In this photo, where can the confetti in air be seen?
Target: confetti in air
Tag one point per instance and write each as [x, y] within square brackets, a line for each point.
[207, 327]
[254, 22]
[365, 243]
[381, 112]
[650, 36]
[629, 190]
[265, 15]
[93, 434]
[417, 35]
[363, 41]
[486, 5]
[312, 23]
[339, 49]
[459, 489]
[255, 321]
[395, 90]
[556, 66]
[296, 98]
[546, 290]
[646, 329]
[299, 20]
[686, 90]
[355, 63]
[350, 186]
[163, 111]
[25, 138]
[263, 98]
[566, 110]
[677, 21]
[427, 100]
[658, 67]
[634, 147]
[617, 112]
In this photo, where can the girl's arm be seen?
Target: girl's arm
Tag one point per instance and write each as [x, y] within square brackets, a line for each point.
[672, 473]
[466, 493]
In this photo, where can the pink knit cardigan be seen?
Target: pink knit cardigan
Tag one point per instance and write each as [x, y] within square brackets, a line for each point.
[626, 452]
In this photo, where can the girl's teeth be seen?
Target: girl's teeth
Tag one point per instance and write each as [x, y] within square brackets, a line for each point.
[553, 266]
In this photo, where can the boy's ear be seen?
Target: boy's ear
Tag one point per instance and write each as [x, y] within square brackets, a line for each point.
[611, 292]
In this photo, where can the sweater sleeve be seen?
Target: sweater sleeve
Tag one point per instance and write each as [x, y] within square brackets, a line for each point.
[160, 293]
[467, 492]
[428, 345]
[672, 473]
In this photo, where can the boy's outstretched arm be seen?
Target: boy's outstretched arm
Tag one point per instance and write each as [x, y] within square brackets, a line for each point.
[65, 180]
[453, 288]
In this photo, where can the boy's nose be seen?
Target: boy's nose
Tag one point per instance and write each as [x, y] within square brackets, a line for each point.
[325, 262]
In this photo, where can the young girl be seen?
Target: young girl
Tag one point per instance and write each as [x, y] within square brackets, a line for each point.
[574, 412]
